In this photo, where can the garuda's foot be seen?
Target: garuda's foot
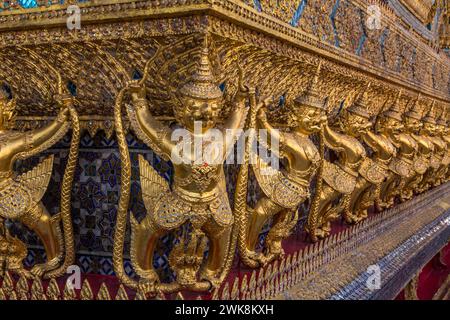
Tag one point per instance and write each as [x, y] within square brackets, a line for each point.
[274, 250]
[258, 258]
[39, 270]
[149, 286]
[212, 278]
[323, 232]
[187, 257]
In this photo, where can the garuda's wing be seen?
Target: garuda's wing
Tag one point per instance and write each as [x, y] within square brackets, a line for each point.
[265, 174]
[25, 191]
[152, 184]
[280, 189]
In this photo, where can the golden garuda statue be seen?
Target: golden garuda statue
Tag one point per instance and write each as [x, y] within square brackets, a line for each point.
[446, 137]
[284, 190]
[339, 178]
[413, 125]
[438, 145]
[197, 197]
[20, 195]
[441, 130]
[401, 166]
[374, 170]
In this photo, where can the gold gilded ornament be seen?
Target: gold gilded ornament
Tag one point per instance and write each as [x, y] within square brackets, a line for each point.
[198, 194]
[20, 195]
[401, 166]
[340, 178]
[438, 149]
[375, 170]
[284, 190]
[441, 149]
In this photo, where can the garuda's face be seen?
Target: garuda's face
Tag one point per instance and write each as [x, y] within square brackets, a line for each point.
[429, 128]
[355, 125]
[412, 125]
[389, 125]
[205, 111]
[309, 119]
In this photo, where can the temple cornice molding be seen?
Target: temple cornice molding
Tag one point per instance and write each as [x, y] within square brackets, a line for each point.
[406, 60]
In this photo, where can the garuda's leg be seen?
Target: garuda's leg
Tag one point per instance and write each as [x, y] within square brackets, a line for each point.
[260, 215]
[388, 192]
[326, 213]
[48, 230]
[412, 186]
[351, 213]
[219, 242]
[144, 238]
[282, 226]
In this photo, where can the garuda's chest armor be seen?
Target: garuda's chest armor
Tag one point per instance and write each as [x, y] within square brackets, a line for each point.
[198, 176]
[403, 164]
[170, 209]
[288, 188]
[376, 169]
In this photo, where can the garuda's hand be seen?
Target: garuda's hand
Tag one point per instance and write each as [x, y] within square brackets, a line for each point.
[137, 90]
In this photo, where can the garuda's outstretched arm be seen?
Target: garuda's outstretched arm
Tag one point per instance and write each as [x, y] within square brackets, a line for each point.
[36, 141]
[332, 139]
[157, 135]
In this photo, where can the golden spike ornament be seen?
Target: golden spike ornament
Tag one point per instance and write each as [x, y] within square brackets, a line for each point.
[284, 190]
[198, 194]
[20, 195]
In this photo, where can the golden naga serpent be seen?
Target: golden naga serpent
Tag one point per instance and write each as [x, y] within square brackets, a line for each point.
[240, 201]
[314, 211]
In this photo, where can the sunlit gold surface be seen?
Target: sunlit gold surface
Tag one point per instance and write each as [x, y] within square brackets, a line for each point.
[20, 195]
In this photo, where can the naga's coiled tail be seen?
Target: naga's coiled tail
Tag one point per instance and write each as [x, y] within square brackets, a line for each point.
[240, 200]
[313, 216]
[66, 198]
[124, 199]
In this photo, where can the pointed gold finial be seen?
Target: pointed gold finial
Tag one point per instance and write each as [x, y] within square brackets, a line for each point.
[37, 290]
[86, 291]
[394, 111]
[415, 111]
[53, 292]
[103, 293]
[122, 294]
[69, 292]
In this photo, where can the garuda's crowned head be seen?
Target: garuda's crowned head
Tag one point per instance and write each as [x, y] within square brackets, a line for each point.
[413, 118]
[356, 120]
[308, 110]
[429, 121]
[390, 121]
[201, 98]
[7, 110]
